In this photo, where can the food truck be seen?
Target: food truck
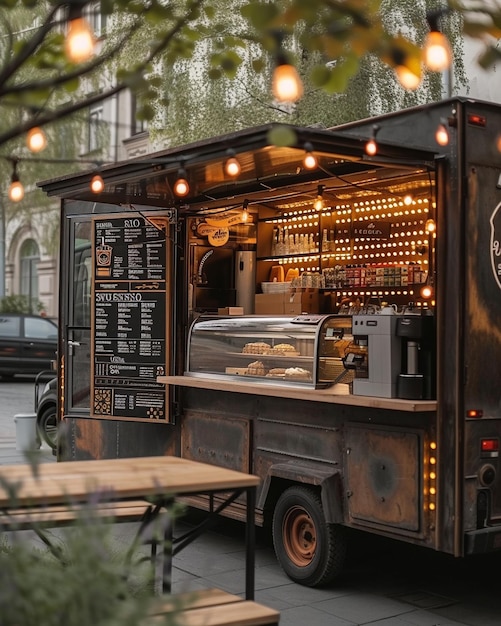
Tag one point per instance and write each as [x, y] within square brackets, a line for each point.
[326, 317]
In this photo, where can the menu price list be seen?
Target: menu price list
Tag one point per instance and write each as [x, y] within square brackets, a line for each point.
[129, 319]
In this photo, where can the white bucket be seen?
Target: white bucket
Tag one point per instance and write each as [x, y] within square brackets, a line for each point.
[26, 432]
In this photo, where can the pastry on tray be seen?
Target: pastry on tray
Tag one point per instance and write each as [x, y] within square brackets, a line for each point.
[256, 347]
[256, 368]
[298, 373]
[276, 371]
[284, 348]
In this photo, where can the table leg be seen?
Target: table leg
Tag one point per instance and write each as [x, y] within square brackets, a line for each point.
[250, 544]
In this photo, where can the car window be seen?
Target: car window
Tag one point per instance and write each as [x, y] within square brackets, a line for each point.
[10, 326]
[39, 328]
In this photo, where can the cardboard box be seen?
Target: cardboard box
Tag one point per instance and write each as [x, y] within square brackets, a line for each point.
[277, 304]
[231, 310]
[314, 301]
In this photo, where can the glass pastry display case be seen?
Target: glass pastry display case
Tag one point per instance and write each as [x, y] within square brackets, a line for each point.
[305, 350]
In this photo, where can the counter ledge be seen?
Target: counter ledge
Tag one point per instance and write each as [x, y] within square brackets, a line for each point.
[338, 394]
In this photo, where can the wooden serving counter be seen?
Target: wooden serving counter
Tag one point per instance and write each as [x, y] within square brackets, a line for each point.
[337, 394]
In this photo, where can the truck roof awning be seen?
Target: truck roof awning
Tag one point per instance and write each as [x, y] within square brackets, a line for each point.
[271, 159]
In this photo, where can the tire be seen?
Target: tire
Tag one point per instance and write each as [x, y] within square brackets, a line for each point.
[47, 426]
[310, 551]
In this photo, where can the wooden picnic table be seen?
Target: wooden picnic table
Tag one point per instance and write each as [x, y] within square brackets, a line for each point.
[157, 479]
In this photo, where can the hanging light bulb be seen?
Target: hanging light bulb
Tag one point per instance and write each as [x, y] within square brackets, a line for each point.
[437, 52]
[80, 42]
[97, 184]
[245, 212]
[16, 189]
[442, 134]
[36, 139]
[286, 82]
[232, 166]
[408, 199]
[181, 186]
[407, 68]
[318, 205]
[407, 78]
[371, 145]
[310, 161]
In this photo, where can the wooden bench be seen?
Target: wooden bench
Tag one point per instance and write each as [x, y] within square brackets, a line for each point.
[213, 607]
[56, 515]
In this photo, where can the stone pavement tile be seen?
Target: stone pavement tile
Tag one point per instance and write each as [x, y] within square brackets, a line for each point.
[473, 615]
[297, 595]
[310, 616]
[266, 577]
[420, 618]
[362, 608]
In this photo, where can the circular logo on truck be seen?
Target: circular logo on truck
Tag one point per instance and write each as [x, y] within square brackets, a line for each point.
[496, 244]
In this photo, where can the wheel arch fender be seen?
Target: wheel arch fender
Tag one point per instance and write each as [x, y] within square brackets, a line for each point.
[326, 480]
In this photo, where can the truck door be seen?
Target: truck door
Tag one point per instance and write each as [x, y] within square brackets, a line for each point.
[77, 325]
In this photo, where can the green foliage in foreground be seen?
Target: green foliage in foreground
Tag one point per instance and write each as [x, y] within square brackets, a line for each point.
[77, 576]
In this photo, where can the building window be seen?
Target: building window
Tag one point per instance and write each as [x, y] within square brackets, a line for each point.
[28, 261]
[96, 19]
[136, 126]
[95, 128]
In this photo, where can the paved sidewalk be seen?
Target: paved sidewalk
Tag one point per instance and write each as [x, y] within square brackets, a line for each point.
[10, 455]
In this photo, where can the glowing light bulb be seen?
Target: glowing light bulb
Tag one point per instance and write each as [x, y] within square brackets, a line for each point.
[437, 52]
[80, 41]
[286, 84]
[36, 139]
[97, 184]
[232, 166]
[16, 191]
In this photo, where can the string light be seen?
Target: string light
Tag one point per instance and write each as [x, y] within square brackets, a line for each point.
[181, 186]
[371, 145]
[80, 42]
[286, 83]
[310, 161]
[97, 184]
[318, 205]
[437, 52]
[245, 213]
[16, 189]
[232, 166]
[442, 134]
[36, 139]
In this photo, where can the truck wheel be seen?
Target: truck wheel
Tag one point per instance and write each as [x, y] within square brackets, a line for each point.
[47, 426]
[310, 551]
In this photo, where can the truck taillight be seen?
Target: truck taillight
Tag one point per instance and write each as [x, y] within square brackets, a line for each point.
[490, 446]
[474, 413]
[476, 120]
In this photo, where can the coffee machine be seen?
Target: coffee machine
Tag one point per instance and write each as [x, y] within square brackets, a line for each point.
[376, 355]
[416, 381]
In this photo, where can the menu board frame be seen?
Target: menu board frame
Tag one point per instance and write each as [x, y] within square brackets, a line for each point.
[130, 316]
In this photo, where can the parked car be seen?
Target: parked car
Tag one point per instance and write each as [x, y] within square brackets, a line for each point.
[28, 344]
[46, 407]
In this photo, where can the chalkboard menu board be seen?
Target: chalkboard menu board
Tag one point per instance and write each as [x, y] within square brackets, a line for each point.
[130, 326]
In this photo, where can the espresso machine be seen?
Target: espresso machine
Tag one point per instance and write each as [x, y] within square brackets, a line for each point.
[416, 381]
[375, 356]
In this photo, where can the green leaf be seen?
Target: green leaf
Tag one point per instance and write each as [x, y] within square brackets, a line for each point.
[260, 14]
[320, 75]
[258, 65]
[214, 73]
[72, 85]
[282, 136]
